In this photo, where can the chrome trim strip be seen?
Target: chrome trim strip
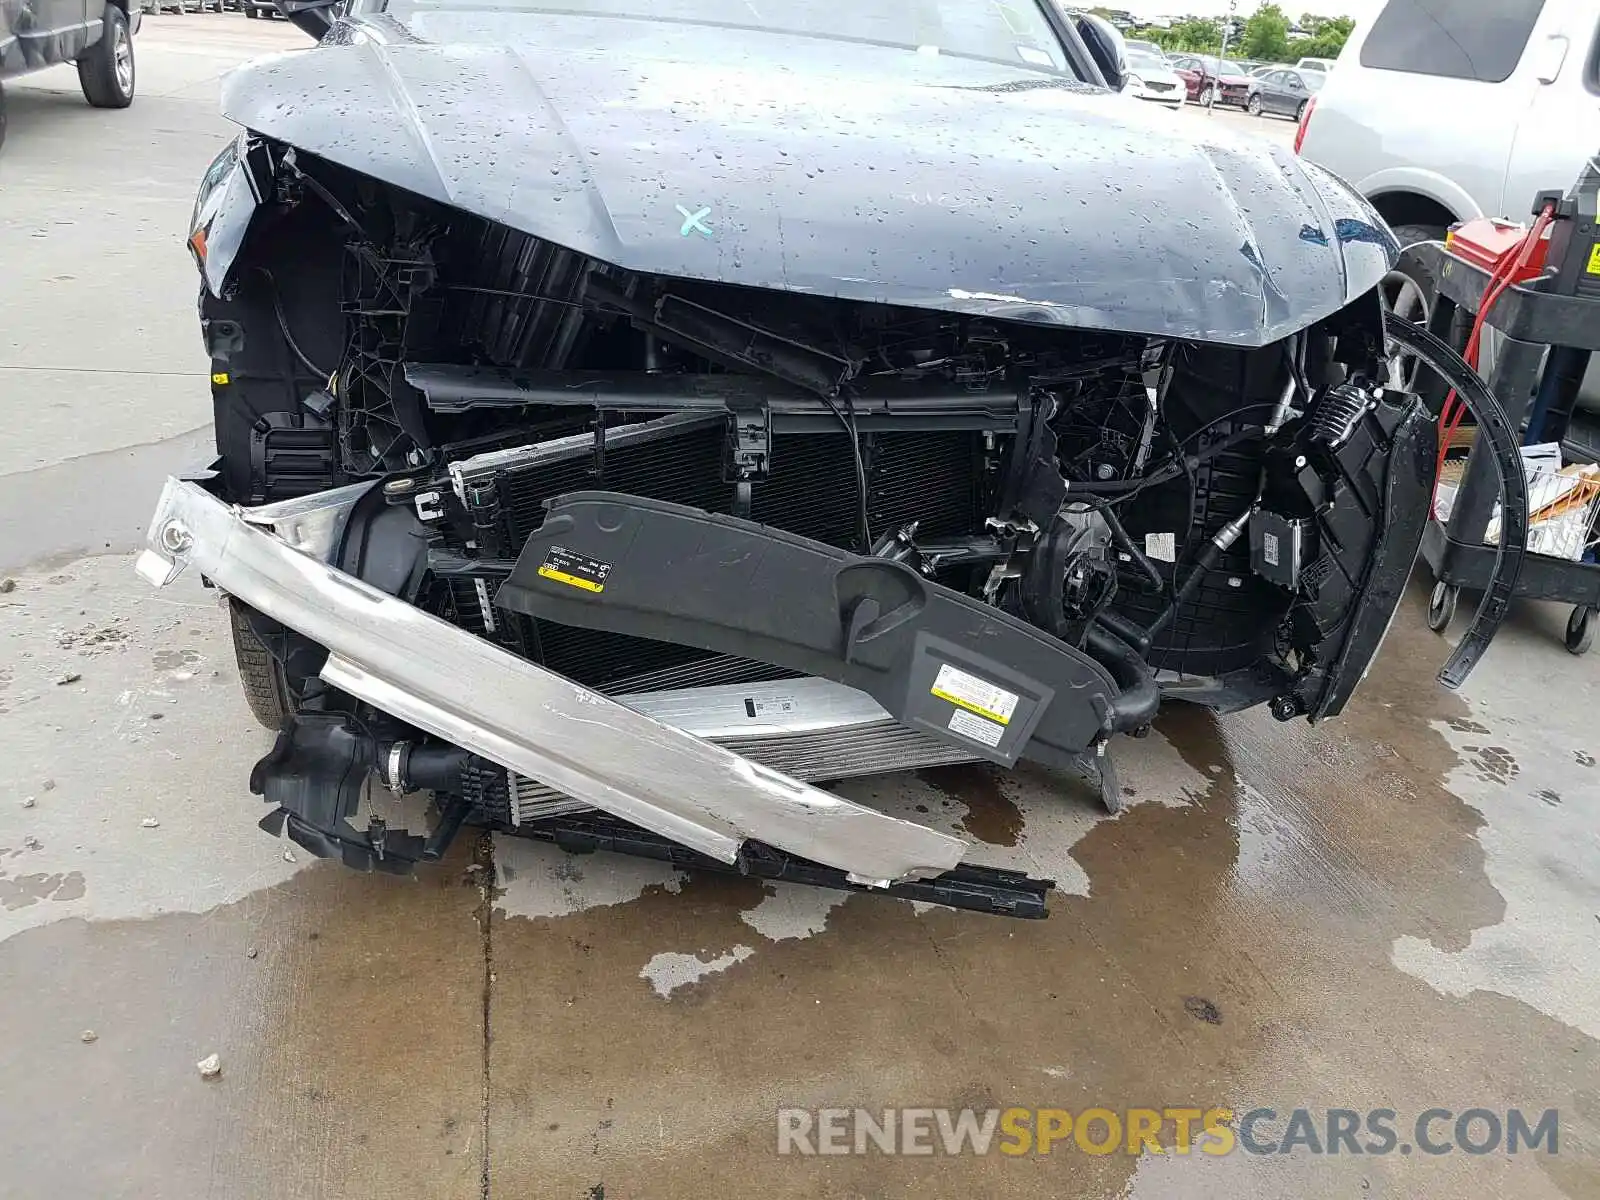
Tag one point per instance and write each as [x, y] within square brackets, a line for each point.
[525, 718]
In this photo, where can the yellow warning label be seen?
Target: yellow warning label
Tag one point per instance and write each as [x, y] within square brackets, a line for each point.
[974, 694]
[587, 585]
[220, 379]
[1594, 259]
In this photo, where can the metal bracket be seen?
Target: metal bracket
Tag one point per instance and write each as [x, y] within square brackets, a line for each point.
[749, 443]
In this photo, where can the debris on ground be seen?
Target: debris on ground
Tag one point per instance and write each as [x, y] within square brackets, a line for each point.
[27, 802]
[288, 856]
[7, 586]
[210, 1066]
[250, 953]
[32, 843]
[69, 677]
[150, 823]
[88, 1035]
[48, 785]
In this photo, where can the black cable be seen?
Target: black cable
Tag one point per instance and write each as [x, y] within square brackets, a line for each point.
[1127, 543]
[283, 327]
[1116, 491]
[849, 424]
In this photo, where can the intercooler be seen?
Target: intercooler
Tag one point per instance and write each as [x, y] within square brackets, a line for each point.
[810, 729]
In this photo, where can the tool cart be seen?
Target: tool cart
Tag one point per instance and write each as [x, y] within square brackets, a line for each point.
[1539, 289]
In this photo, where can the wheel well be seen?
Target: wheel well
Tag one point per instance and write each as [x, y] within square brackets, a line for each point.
[1408, 208]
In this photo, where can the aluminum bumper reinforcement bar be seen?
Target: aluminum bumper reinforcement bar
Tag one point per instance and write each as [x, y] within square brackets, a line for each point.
[472, 694]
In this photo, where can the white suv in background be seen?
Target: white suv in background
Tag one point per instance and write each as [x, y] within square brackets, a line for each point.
[1444, 110]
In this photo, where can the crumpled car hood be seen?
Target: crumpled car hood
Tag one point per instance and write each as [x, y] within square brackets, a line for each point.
[849, 170]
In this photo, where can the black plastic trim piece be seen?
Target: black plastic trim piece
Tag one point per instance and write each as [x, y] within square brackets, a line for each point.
[679, 574]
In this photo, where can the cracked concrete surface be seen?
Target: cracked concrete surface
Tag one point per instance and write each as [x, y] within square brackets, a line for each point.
[1397, 910]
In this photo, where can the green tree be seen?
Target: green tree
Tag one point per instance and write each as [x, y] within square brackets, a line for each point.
[1266, 35]
[1327, 41]
[1197, 35]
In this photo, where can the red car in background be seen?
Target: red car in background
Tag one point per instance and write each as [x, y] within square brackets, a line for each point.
[1204, 74]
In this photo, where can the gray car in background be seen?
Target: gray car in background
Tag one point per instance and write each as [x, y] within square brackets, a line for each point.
[1286, 92]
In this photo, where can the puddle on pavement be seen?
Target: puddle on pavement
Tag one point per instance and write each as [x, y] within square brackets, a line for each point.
[1231, 946]
[1233, 949]
[992, 816]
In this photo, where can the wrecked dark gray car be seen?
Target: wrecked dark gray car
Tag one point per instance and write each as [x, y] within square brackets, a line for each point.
[630, 415]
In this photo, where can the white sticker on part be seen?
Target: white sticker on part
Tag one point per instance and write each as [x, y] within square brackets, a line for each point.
[976, 728]
[1269, 548]
[1162, 546]
[974, 694]
[775, 706]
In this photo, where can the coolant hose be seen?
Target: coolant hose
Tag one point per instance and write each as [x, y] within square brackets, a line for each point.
[1495, 428]
[1135, 705]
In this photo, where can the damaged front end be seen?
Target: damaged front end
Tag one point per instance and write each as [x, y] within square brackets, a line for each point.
[606, 545]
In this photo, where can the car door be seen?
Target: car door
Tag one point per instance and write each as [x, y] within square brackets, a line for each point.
[1272, 89]
[42, 33]
[1560, 129]
[1294, 93]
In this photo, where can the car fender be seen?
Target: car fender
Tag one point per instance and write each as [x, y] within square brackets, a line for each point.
[1420, 181]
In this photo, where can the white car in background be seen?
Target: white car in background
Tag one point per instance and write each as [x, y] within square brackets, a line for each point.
[1445, 111]
[1151, 77]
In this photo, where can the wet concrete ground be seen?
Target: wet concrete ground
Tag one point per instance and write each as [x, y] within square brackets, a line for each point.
[1400, 910]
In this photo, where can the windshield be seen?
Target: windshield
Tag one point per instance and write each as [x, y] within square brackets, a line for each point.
[1146, 62]
[1008, 31]
[1231, 68]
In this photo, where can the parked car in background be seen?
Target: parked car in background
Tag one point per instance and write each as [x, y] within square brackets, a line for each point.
[1208, 77]
[1146, 47]
[1149, 77]
[1441, 113]
[1286, 92]
[45, 33]
[1315, 64]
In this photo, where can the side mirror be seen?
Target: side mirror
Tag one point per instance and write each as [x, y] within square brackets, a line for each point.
[1105, 46]
[312, 17]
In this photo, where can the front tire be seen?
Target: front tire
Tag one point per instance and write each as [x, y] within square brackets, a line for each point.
[266, 687]
[1300, 113]
[2, 114]
[1409, 291]
[250, 11]
[1207, 95]
[1253, 106]
[105, 71]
